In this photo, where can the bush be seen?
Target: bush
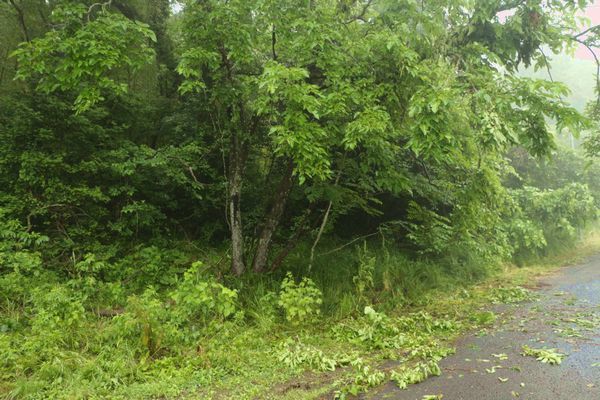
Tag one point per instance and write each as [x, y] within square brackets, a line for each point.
[199, 298]
[300, 301]
[147, 324]
[545, 219]
[527, 238]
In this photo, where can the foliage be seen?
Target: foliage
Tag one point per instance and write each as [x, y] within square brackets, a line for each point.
[296, 355]
[550, 217]
[149, 154]
[378, 331]
[198, 299]
[364, 378]
[363, 280]
[547, 356]
[300, 301]
[416, 374]
[510, 295]
[82, 55]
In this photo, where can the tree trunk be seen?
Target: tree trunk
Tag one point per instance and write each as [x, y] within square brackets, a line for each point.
[21, 18]
[293, 241]
[235, 214]
[272, 219]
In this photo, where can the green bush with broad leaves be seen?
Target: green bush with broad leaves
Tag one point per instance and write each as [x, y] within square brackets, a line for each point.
[546, 219]
[200, 298]
[301, 302]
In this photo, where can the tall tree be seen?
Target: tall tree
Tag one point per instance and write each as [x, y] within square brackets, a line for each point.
[329, 104]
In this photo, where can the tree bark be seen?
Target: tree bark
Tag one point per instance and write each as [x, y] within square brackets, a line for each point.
[272, 219]
[293, 241]
[235, 215]
[21, 18]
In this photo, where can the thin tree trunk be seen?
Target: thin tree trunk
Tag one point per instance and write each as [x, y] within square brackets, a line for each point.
[272, 219]
[4, 62]
[21, 18]
[235, 215]
[293, 241]
[321, 228]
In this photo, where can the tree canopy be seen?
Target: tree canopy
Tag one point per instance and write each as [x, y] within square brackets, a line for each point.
[327, 103]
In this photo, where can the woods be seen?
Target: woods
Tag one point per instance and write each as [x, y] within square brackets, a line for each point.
[175, 176]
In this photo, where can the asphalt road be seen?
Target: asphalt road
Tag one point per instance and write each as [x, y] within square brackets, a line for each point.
[491, 366]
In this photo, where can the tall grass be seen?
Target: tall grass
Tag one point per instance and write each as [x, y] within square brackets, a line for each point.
[398, 279]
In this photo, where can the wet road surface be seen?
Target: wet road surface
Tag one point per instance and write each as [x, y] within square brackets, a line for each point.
[491, 366]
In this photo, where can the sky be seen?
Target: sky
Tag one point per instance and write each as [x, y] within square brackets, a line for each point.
[593, 13]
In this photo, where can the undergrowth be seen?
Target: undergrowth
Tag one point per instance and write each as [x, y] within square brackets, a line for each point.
[336, 330]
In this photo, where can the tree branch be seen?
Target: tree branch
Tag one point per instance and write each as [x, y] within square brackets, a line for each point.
[510, 5]
[103, 5]
[273, 42]
[21, 18]
[361, 15]
[587, 46]
[588, 30]
[350, 242]
[321, 228]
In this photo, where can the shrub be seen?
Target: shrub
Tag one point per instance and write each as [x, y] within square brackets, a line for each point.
[527, 238]
[17, 248]
[545, 219]
[300, 301]
[146, 323]
[199, 298]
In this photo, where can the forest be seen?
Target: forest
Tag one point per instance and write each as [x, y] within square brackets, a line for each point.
[238, 199]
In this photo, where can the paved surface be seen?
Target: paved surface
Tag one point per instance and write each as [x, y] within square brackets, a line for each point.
[569, 307]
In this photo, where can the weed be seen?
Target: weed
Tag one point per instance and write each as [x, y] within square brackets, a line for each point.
[484, 318]
[363, 280]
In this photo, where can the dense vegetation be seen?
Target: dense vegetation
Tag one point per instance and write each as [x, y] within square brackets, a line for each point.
[199, 197]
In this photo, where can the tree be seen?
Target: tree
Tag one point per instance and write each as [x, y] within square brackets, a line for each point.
[332, 104]
[347, 92]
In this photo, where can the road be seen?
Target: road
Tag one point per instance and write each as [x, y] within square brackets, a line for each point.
[491, 366]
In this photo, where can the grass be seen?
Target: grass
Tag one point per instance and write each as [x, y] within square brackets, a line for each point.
[436, 294]
[418, 308]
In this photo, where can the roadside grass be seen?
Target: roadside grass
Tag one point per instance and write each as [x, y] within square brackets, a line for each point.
[434, 293]
[565, 255]
[386, 318]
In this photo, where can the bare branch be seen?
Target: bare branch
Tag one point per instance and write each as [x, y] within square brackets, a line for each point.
[590, 29]
[593, 53]
[547, 64]
[509, 5]
[321, 228]
[361, 15]
[350, 242]
[104, 6]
